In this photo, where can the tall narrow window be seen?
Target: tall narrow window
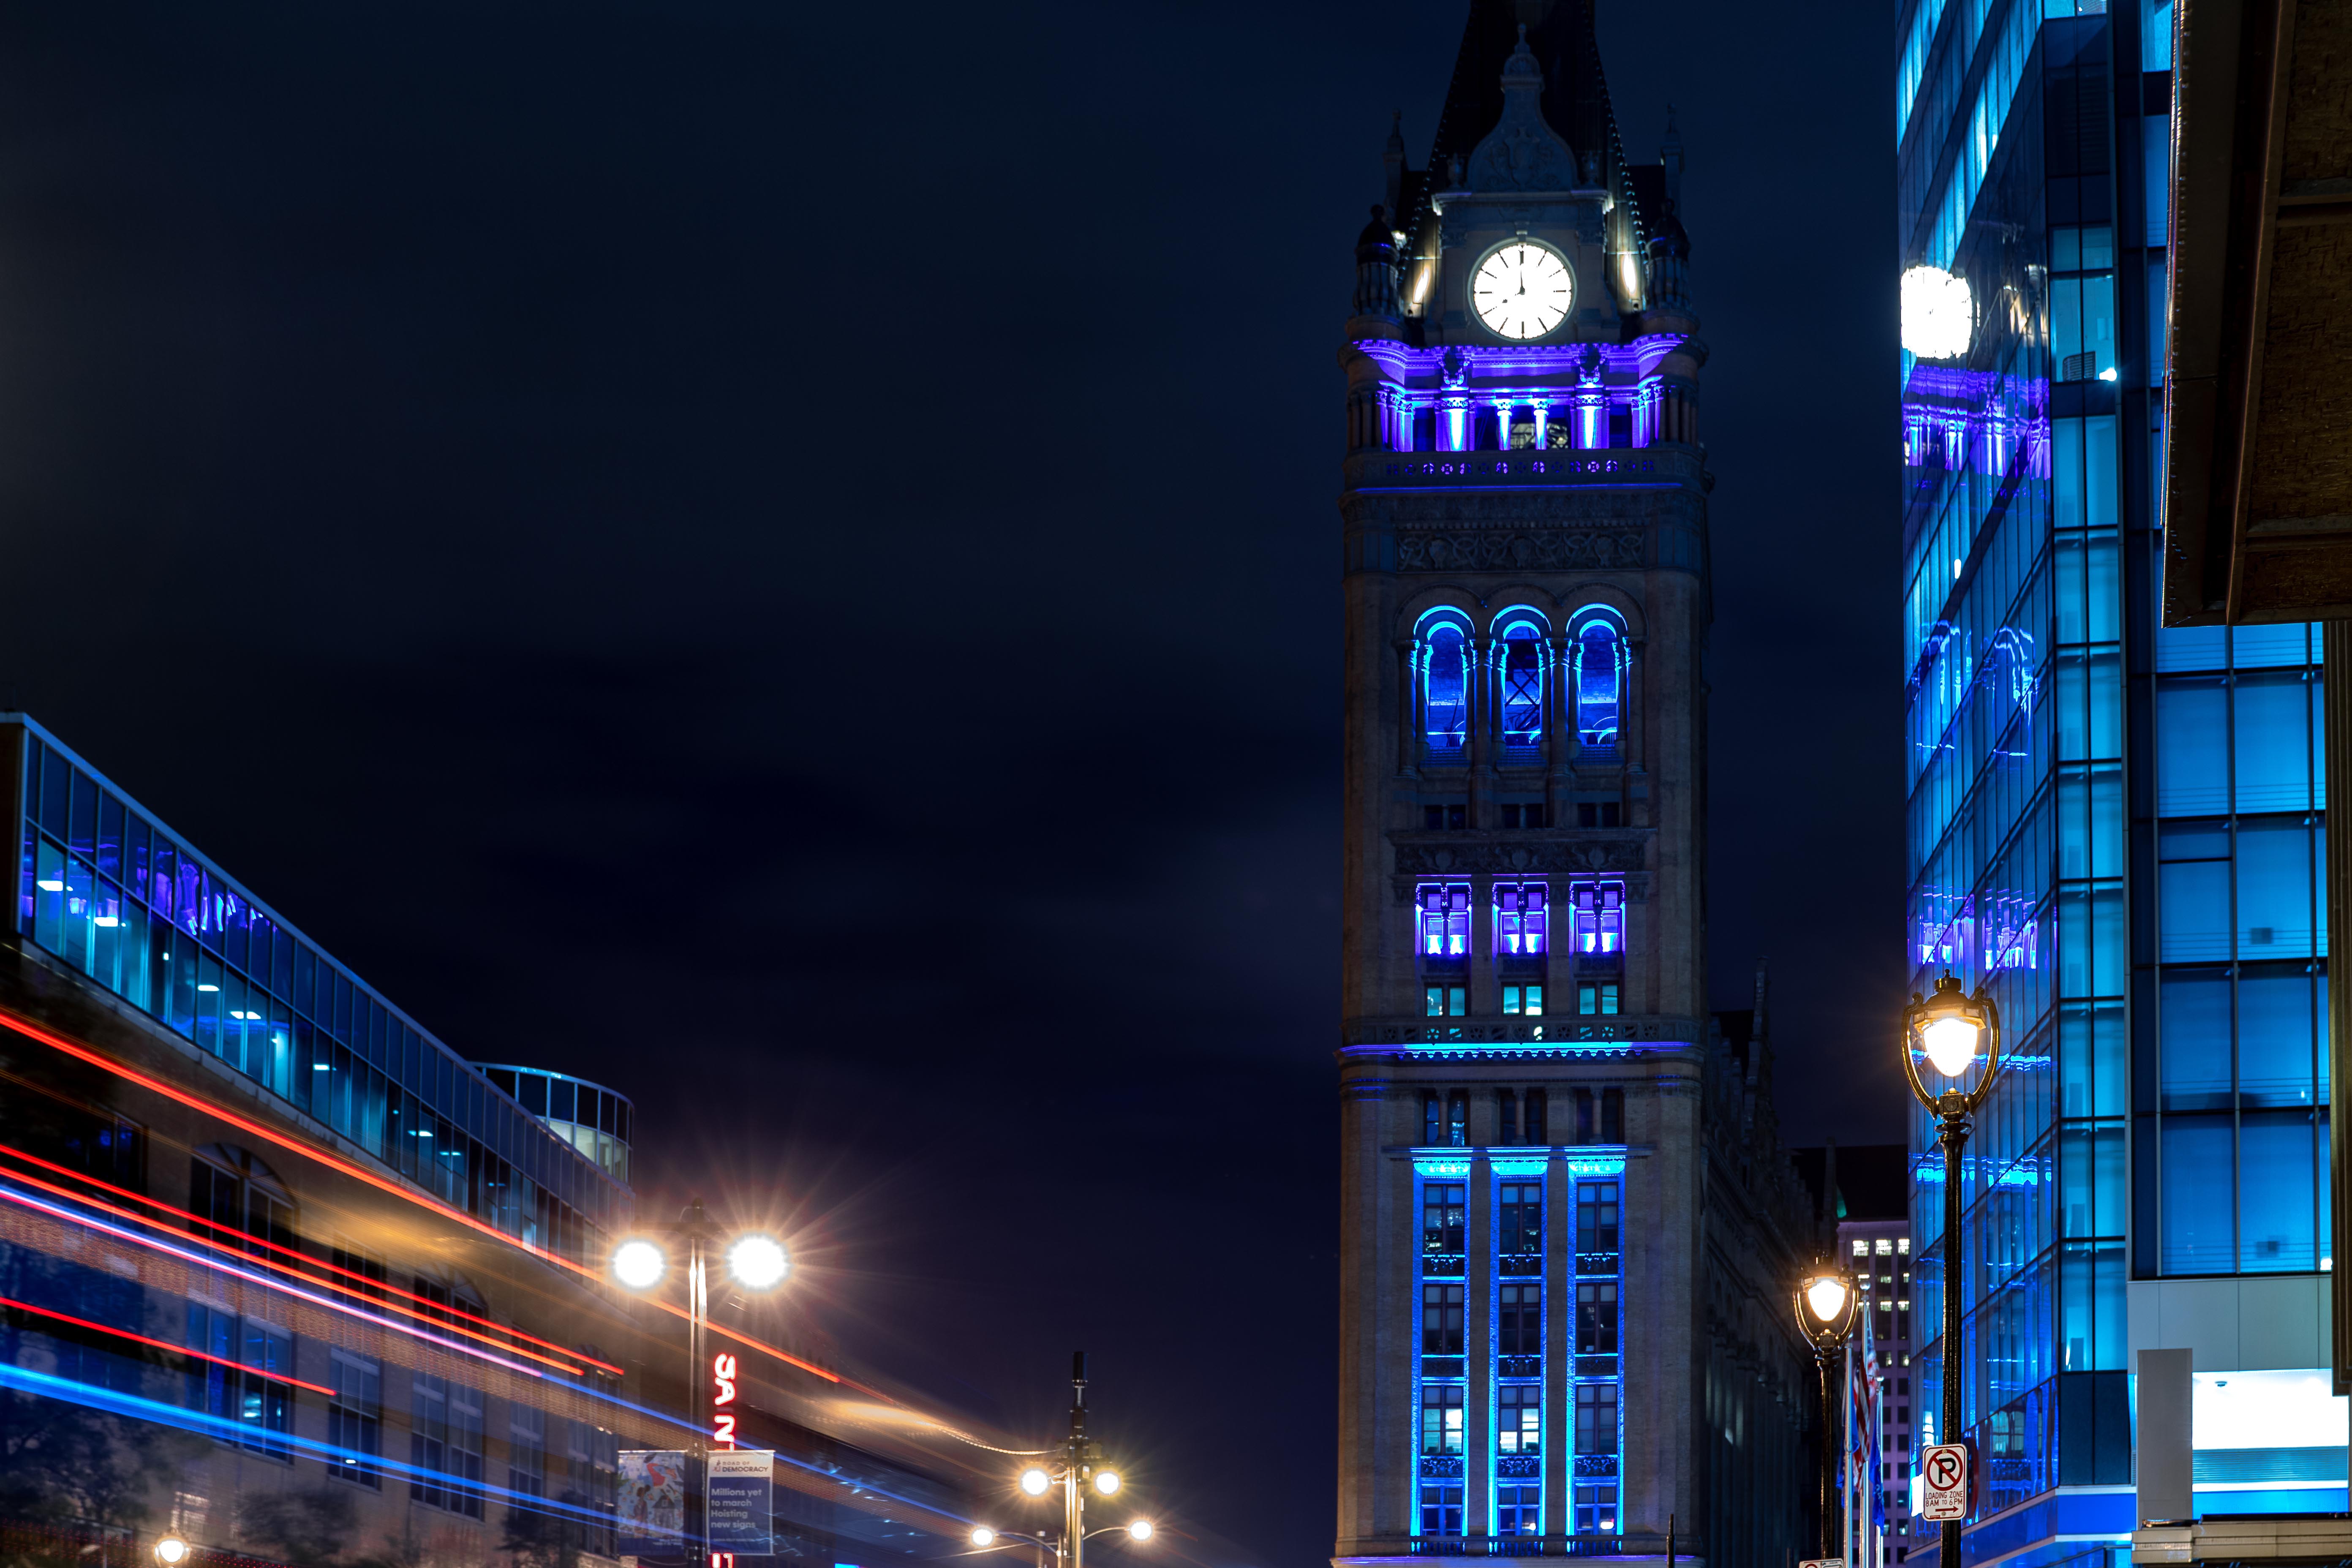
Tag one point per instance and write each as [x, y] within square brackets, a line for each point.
[1518, 1419]
[1520, 920]
[1600, 918]
[1584, 1123]
[1612, 1116]
[1457, 1118]
[1506, 1114]
[1444, 920]
[1599, 680]
[354, 1418]
[1432, 1118]
[1440, 1418]
[1518, 1215]
[1443, 1216]
[1520, 661]
[1539, 1130]
[1445, 701]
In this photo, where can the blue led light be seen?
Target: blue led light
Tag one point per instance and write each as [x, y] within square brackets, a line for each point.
[1519, 1167]
[1441, 1167]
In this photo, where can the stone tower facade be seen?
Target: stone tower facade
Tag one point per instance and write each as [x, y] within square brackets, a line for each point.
[1568, 1238]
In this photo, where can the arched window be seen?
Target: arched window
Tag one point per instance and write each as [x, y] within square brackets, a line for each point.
[1520, 661]
[1600, 682]
[1445, 685]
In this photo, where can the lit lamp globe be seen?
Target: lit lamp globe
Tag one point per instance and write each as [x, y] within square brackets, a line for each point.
[1035, 1482]
[757, 1261]
[1106, 1481]
[1825, 1298]
[171, 1551]
[638, 1265]
[982, 1536]
[1140, 1529]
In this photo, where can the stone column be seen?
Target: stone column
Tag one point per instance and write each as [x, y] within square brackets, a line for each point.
[1629, 712]
[1480, 693]
[1478, 1340]
[1560, 1311]
[1543, 423]
[1559, 736]
[1409, 724]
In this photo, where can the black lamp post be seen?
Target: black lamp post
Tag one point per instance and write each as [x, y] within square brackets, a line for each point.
[1825, 1303]
[1953, 1030]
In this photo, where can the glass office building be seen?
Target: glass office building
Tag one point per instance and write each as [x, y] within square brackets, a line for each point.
[2118, 828]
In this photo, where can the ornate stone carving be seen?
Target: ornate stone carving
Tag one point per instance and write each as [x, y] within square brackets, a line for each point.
[1522, 152]
[1497, 551]
[1425, 855]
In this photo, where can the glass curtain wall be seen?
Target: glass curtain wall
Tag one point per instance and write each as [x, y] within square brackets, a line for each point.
[2117, 828]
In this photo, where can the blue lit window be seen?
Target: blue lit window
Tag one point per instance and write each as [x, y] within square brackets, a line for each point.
[1522, 1001]
[1440, 1417]
[1518, 1424]
[354, 1417]
[1519, 920]
[1596, 1216]
[1457, 1118]
[444, 1444]
[1596, 1502]
[1441, 1508]
[1518, 1329]
[1520, 662]
[1519, 1231]
[1445, 919]
[1442, 1219]
[1518, 1505]
[1600, 656]
[1445, 1001]
[241, 1377]
[1599, 913]
[1444, 661]
[1598, 997]
[1596, 1319]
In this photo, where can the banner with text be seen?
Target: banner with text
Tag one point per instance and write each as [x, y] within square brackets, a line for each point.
[651, 1503]
[743, 1502]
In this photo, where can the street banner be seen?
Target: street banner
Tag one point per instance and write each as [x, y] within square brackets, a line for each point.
[1821, 1563]
[650, 1502]
[1944, 1482]
[743, 1502]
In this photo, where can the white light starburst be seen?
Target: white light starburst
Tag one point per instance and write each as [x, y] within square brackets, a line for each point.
[1939, 316]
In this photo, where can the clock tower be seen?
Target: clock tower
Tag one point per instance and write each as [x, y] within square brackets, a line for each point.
[1568, 1233]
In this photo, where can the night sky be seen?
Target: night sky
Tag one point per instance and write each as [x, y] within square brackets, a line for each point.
[783, 558]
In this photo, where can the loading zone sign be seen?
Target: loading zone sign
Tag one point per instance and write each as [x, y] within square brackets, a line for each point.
[1944, 1482]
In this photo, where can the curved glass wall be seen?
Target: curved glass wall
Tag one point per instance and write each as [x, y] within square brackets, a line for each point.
[590, 1117]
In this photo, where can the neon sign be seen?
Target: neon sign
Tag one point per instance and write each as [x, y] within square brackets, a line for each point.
[722, 1393]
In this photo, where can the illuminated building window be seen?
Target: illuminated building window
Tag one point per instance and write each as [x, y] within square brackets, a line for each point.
[1519, 1324]
[238, 1194]
[1518, 1221]
[1521, 919]
[1445, 659]
[1457, 1118]
[1600, 916]
[1523, 1001]
[1451, 818]
[1440, 1417]
[1433, 1118]
[1520, 661]
[1445, 1001]
[1538, 1110]
[1441, 1508]
[1596, 1320]
[1599, 813]
[526, 1450]
[1527, 815]
[1597, 996]
[242, 1377]
[355, 1418]
[1598, 681]
[1442, 1217]
[1440, 1320]
[1444, 920]
[1518, 1505]
[1596, 1216]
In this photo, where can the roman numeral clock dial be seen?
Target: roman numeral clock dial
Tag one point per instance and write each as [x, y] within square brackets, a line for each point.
[1523, 290]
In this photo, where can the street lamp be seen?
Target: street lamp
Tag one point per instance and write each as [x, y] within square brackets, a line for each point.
[1080, 1467]
[754, 1261]
[1824, 1302]
[171, 1551]
[1953, 1030]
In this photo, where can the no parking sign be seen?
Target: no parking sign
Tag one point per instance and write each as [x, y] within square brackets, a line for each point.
[1944, 1482]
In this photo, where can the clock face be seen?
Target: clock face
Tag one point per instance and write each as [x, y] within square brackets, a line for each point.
[1523, 290]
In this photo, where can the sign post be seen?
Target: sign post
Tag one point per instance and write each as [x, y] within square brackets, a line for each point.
[1944, 1482]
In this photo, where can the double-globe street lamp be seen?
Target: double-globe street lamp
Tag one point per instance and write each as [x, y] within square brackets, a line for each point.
[1825, 1303]
[1079, 1471]
[1953, 1030]
[754, 1260]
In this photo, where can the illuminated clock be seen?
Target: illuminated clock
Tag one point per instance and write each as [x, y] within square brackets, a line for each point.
[1523, 289]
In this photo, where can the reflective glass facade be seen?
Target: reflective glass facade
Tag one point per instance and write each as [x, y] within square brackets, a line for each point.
[2118, 828]
[110, 892]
